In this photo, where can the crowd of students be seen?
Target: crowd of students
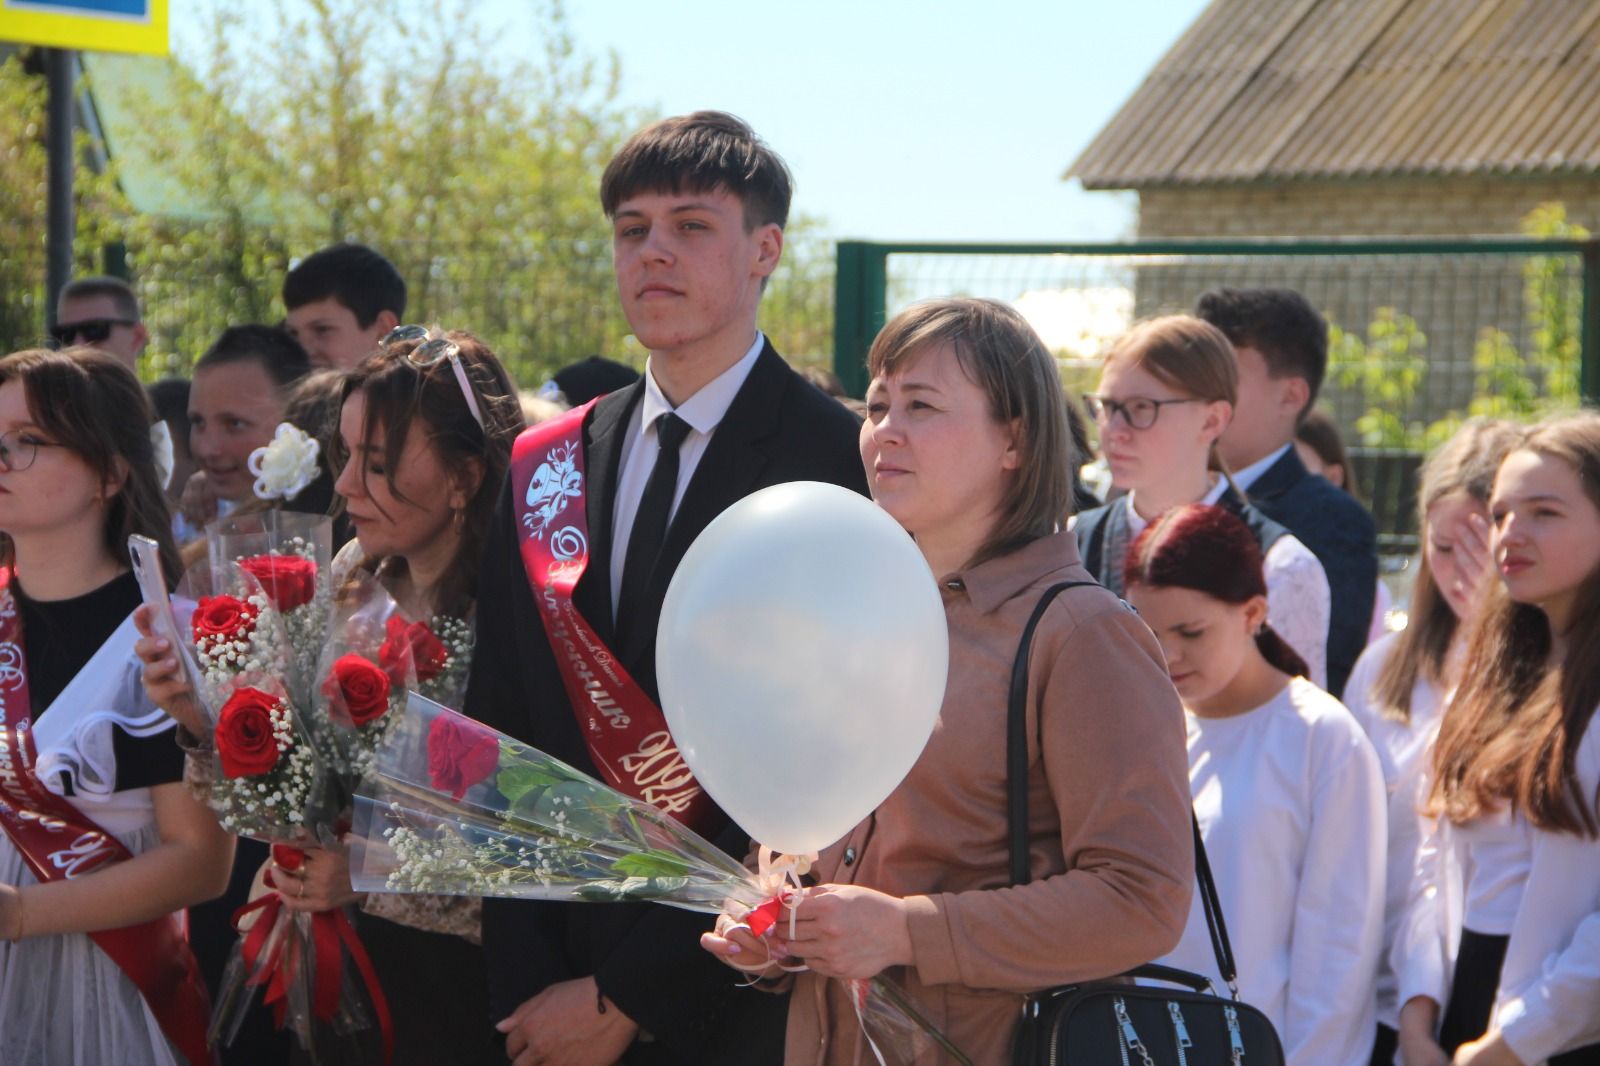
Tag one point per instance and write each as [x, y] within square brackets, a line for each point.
[1404, 831]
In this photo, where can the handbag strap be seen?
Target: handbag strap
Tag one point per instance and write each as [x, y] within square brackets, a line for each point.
[1017, 795]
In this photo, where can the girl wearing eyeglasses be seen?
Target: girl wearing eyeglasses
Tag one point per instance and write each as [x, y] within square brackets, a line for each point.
[1167, 391]
[102, 844]
[1287, 789]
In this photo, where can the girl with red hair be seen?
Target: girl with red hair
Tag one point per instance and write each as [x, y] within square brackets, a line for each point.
[1287, 789]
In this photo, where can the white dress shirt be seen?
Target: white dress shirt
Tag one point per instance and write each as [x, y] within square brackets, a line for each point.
[1291, 806]
[703, 412]
[1252, 473]
[1299, 599]
[1404, 749]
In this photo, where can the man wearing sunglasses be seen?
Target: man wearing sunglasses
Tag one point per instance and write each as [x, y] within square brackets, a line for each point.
[697, 205]
[102, 313]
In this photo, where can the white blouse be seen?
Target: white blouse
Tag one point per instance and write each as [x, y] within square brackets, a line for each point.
[1290, 800]
[1404, 750]
[1549, 999]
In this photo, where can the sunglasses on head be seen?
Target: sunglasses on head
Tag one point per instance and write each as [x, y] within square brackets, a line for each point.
[432, 350]
[92, 330]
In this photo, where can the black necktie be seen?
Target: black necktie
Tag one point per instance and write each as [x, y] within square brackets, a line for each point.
[650, 522]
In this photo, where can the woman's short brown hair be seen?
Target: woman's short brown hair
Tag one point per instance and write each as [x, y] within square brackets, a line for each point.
[1001, 354]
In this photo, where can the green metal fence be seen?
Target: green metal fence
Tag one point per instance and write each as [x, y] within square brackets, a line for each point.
[1424, 332]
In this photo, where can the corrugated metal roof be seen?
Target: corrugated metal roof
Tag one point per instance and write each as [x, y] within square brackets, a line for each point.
[1350, 88]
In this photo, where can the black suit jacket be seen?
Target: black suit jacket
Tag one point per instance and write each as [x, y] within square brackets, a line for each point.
[646, 958]
[1341, 534]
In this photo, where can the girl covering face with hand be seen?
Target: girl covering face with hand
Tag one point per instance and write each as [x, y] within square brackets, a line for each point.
[1508, 884]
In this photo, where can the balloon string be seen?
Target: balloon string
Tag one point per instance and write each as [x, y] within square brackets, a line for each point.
[778, 882]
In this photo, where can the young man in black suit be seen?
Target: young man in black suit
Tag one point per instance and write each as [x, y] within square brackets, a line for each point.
[698, 205]
[1282, 346]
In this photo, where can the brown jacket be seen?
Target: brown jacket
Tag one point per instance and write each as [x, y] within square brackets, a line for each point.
[1111, 851]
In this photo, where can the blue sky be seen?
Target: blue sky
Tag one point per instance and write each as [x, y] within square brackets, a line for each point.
[901, 120]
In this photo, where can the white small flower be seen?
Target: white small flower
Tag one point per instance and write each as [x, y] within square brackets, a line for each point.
[286, 466]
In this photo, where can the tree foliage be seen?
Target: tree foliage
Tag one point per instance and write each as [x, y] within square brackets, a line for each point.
[406, 127]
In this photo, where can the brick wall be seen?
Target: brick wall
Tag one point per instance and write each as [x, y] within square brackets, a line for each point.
[1414, 207]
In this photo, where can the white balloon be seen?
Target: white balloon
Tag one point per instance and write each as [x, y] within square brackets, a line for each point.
[802, 657]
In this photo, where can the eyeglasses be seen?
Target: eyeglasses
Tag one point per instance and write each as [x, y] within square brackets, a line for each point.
[1139, 412]
[430, 352]
[19, 448]
[92, 330]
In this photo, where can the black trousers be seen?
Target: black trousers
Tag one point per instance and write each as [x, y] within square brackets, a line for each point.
[1472, 992]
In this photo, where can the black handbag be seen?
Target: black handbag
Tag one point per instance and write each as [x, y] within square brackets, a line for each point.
[1111, 1022]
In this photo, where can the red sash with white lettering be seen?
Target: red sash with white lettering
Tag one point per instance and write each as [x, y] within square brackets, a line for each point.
[61, 843]
[626, 732]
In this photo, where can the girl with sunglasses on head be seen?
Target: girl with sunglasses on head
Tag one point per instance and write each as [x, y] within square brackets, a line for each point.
[1167, 391]
[426, 425]
[103, 846]
[1286, 787]
[966, 445]
[1398, 687]
[1497, 958]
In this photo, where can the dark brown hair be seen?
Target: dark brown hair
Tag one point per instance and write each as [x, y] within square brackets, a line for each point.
[401, 397]
[1002, 355]
[1208, 549]
[1319, 432]
[1281, 324]
[1465, 464]
[1512, 730]
[93, 406]
[705, 151]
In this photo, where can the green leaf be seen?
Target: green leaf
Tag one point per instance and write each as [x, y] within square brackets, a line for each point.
[651, 863]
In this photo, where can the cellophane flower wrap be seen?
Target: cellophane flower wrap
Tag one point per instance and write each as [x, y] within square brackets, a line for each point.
[286, 647]
[264, 763]
[451, 806]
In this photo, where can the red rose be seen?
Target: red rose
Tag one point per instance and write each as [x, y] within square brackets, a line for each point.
[357, 690]
[244, 733]
[288, 580]
[414, 646]
[221, 619]
[461, 753]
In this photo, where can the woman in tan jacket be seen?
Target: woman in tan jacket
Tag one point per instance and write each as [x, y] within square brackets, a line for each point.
[966, 445]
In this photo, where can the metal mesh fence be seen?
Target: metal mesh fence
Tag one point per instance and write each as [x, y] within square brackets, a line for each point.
[1422, 334]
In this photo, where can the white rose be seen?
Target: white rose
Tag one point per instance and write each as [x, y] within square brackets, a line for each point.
[285, 467]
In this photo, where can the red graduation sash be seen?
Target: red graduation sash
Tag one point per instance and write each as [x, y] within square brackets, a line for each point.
[59, 843]
[625, 731]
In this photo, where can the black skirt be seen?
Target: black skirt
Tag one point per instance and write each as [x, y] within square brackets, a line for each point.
[1472, 994]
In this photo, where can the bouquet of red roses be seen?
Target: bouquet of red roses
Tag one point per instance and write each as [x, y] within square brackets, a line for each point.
[451, 806]
[265, 765]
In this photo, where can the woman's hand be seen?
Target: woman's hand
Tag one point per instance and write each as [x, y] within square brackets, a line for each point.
[320, 883]
[1474, 557]
[1488, 1050]
[741, 949]
[163, 681]
[1419, 1018]
[198, 504]
[848, 931]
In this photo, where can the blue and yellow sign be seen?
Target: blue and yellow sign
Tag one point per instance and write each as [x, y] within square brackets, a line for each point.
[89, 25]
